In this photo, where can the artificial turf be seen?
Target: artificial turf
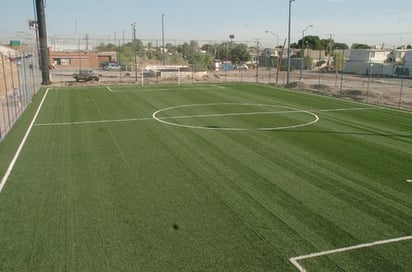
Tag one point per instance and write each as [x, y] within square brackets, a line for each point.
[232, 177]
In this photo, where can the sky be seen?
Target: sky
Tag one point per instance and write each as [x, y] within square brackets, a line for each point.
[372, 22]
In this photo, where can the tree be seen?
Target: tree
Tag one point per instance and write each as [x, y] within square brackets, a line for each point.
[107, 47]
[360, 46]
[308, 61]
[294, 46]
[311, 42]
[223, 51]
[240, 53]
[338, 60]
[341, 46]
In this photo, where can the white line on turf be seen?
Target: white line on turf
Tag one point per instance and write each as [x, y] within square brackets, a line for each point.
[295, 260]
[192, 116]
[109, 89]
[409, 180]
[94, 122]
[289, 110]
[16, 156]
[348, 109]
[233, 114]
[172, 88]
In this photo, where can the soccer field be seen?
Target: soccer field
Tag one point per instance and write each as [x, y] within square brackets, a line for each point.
[230, 177]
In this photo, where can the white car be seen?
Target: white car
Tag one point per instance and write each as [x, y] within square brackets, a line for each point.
[112, 66]
[241, 67]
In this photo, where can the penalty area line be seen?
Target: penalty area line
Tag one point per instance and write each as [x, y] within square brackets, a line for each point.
[295, 260]
[95, 122]
[16, 156]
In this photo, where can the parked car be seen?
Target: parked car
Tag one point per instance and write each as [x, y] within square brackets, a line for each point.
[241, 67]
[112, 66]
[148, 73]
[86, 75]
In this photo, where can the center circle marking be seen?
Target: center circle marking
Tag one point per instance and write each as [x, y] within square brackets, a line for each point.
[289, 110]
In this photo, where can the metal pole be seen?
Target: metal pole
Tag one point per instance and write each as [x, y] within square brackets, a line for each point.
[289, 25]
[341, 74]
[134, 48]
[303, 51]
[163, 38]
[44, 54]
[400, 93]
[369, 78]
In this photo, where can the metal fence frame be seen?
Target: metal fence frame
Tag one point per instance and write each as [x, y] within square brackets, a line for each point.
[19, 81]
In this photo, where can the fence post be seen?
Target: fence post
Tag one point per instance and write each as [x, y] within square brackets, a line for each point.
[400, 94]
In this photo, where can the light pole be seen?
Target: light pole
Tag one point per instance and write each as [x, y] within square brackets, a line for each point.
[290, 13]
[278, 58]
[163, 38]
[274, 34]
[302, 55]
[134, 48]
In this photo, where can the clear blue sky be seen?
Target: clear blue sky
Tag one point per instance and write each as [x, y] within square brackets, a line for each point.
[364, 21]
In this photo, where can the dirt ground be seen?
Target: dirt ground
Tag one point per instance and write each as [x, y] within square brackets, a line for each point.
[8, 76]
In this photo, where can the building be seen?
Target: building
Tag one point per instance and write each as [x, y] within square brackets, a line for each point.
[81, 59]
[364, 61]
[380, 62]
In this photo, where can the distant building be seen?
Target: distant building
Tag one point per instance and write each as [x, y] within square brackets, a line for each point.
[81, 59]
[381, 62]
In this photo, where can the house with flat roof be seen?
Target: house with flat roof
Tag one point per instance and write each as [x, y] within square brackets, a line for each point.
[381, 62]
[364, 61]
[81, 59]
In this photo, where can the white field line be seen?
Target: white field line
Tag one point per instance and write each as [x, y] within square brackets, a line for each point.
[348, 109]
[16, 156]
[261, 113]
[171, 89]
[195, 116]
[109, 89]
[94, 122]
[290, 110]
[232, 114]
[295, 260]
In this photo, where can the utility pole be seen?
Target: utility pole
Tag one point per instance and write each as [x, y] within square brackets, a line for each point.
[44, 54]
[257, 60]
[134, 48]
[87, 42]
[289, 26]
[329, 49]
[302, 56]
[163, 38]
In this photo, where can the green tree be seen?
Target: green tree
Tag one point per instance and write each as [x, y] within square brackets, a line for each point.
[360, 46]
[338, 60]
[308, 61]
[312, 42]
[222, 51]
[240, 53]
[341, 46]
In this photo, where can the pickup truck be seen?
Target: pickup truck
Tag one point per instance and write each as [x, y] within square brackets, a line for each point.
[86, 75]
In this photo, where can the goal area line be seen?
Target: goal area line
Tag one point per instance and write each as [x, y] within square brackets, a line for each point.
[169, 88]
[295, 260]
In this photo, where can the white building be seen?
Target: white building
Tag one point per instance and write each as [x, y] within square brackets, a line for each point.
[363, 61]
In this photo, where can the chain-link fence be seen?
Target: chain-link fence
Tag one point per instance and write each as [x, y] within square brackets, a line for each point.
[389, 91]
[19, 81]
[154, 61]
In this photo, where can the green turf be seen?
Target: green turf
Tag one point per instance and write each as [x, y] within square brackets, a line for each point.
[234, 177]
